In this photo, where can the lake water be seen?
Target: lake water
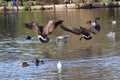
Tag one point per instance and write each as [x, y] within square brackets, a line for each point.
[96, 59]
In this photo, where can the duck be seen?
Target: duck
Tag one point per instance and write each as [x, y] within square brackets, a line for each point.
[28, 38]
[43, 31]
[23, 64]
[37, 62]
[78, 31]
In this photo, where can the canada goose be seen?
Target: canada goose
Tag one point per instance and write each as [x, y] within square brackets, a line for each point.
[43, 31]
[78, 31]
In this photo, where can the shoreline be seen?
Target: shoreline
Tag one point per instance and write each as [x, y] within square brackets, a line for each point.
[61, 6]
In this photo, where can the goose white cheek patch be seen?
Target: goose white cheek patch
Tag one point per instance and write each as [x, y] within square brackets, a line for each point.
[39, 36]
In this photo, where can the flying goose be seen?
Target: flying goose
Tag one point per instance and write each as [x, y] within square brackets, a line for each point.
[43, 31]
[78, 31]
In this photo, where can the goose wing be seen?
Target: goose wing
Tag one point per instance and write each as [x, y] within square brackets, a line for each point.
[33, 26]
[73, 30]
[51, 26]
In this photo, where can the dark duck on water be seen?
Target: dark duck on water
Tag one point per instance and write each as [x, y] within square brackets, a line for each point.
[28, 37]
[43, 31]
[37, 62]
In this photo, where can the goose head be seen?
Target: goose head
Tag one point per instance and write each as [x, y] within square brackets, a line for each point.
[43, 39]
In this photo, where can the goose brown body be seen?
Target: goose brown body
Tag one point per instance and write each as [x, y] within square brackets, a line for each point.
[78, 31]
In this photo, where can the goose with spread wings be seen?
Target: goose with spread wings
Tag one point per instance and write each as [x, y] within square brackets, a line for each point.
[43, 31]
[79, 31]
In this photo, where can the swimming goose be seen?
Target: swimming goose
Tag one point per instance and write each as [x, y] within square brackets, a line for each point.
[78, 31]
[43, 31]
